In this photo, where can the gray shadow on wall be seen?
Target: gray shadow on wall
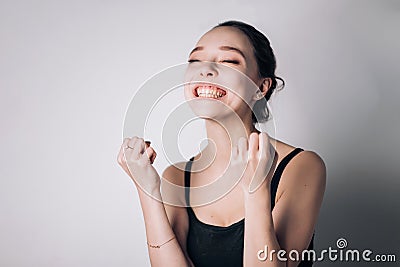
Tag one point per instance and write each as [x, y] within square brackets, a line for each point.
[362, 207]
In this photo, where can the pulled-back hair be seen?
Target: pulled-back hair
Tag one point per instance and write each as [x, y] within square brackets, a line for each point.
[266, 63]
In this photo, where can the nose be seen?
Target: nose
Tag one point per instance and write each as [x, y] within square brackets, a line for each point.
[208, 70]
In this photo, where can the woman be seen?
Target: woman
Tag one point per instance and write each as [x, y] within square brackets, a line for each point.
[278, 213]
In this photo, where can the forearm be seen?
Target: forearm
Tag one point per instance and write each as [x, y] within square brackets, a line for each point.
[259, 232]
[159, 231]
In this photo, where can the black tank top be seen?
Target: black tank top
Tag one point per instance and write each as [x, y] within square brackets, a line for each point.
[219, 246]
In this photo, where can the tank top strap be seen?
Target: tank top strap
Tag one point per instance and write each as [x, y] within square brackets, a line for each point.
[278, 173]
[188, 167]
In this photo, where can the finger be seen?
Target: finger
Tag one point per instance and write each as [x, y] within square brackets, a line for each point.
[263, 144]
[125, 150]
[120, 157]
[138, 149]
[146, 156]
[234, 153]
[129, 147]
[242, 148]
[253, 145]
[153, 157]
[132, 142]
[126, 154]
[150, 152]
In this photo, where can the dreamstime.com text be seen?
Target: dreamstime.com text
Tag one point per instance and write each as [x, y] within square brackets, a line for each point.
[340, 253]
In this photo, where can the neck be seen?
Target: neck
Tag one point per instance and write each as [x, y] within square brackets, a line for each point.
[222, 136]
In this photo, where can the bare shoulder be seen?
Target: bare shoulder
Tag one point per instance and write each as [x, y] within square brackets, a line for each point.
[173, 185]
[305, 162]
[175, 173]
[307, 168]
[310, 163]
[173, 194]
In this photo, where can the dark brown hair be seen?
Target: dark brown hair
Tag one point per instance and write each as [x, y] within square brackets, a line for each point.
[266, 63]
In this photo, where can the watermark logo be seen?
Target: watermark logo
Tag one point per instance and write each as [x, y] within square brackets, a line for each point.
[339, 253]
[341, 243]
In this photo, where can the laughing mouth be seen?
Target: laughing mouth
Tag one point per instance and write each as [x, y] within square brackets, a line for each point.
[208, 91]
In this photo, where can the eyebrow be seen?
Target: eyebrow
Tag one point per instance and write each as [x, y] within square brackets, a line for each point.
[224, 47]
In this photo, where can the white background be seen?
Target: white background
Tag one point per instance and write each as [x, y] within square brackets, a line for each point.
[68, 70]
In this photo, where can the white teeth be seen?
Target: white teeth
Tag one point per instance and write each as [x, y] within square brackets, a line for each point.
[207, 95]
[208, 91]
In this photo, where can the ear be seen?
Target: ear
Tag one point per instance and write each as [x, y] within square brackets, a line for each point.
[263, 88]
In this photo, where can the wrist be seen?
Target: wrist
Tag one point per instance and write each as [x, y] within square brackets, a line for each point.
[260, 191]
[260, 197]
[150, 193]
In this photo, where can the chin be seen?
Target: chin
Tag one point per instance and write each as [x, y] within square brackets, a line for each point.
[209, 108]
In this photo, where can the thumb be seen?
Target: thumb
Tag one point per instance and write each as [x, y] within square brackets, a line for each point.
[151, 154]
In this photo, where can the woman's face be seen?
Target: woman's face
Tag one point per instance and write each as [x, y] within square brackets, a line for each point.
[222, 74]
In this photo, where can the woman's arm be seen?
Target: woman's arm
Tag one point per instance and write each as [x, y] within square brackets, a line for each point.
[164, 249]
[296, 211]
[290, 225]
[175, 205]
[259, 231]
[159, 231]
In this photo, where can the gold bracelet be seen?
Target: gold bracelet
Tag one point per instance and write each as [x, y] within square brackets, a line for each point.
[158, 246]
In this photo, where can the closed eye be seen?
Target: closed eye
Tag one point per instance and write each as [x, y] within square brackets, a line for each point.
[236, 62]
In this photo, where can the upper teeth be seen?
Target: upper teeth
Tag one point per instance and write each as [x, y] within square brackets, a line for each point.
[209, 92]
